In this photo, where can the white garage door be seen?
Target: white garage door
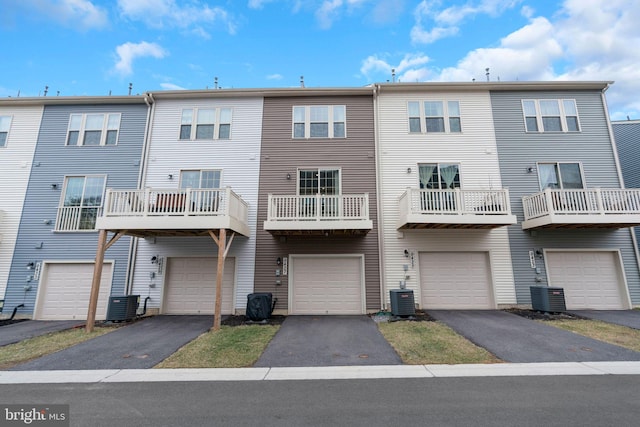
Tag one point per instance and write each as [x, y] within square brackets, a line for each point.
[326, 285]
[64, 292]
[591, 280]
[190, 286]
[455, 280]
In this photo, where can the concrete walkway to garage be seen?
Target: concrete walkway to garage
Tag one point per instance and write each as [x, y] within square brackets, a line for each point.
[142, 344]
[628, 318]
[328, 341]
[21, 331]
[513, 338]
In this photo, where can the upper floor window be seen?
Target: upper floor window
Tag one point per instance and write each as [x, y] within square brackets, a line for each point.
[550, 115]
[93, 129]
[200, 123]
[434, 117]
[560, 176]
[5, 124]
[81, 203]
[439, 176]
[319, 121]
[200, 179]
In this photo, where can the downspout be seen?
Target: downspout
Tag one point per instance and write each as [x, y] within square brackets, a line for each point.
[376, 130]
[133, 245]
[620, 179]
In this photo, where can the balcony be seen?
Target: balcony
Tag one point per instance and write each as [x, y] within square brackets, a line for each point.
[173, 212]
[318, 215]
[456, 208]
[583, 208]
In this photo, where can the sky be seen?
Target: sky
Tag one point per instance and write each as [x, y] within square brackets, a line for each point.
[99, 47]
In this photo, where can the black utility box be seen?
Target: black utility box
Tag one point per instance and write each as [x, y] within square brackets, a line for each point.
[259, 306]
[402, 302]
[547, 299]
[122, 308]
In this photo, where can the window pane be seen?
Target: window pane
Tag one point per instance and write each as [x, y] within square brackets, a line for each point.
[319, 130]
[298, 130]
[548, 175]
[298, 114]
[225, 131]
[339, 113]
[73, 137]
[414, 124]
[572, 124]
[225, 115]
[75, 121]
[454, 124]
[329, 181]
[551, 124]
[5, 122]
[529, 108]
[73, 191]
[532, 124]
[414, 109]
[92, 137]
[338, 130]
[113, 121]
[319, 114]
[185, 132]
[3, 139]
[112, 137]
[187, 117]
[449, 176]
[571, 177]
[549, 107]
[433, 109]
[308, 183]
[454, 108]
[210, 179]
[570, 107]
[204, 131]
[190, 179]
[93, 191]
[206, 116]
[435, 124]
[94, 122]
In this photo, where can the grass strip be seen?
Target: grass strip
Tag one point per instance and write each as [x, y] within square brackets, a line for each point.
[426, 343]
[603, 331]
[32, 348]
[230, 347]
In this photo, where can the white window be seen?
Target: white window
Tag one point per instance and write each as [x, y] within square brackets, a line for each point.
[434, 117]
[439, 176]
[200, 124]
[5, 124]
[200, 179]
[550, 115]
[560, 176]
[81, 203]
[318, 190]
[319, 121]
[93, 129]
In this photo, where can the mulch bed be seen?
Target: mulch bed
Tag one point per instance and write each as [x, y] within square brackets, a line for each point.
[541, 315]
[10, 322]
[244, 320]
[385, 316]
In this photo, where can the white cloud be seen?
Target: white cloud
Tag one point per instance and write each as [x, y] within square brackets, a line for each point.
[275, 77]
[410, 67]
[171, 86]
[82, 14]
[128, 52]
[258, 4]
[331, 10]
[168, 13]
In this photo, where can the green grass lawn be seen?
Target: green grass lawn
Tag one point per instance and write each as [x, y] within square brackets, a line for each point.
[607, 332]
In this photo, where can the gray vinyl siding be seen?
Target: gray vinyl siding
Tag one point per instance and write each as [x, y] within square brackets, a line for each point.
[52, 162]
[592, 147]
[282, 155]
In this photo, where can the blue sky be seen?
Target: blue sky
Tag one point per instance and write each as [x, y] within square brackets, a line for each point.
[97, 47]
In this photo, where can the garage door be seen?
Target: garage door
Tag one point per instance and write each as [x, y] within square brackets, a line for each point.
[326, 285]
[190, 286]
[455, 280]
[591, 280]
[64, 292]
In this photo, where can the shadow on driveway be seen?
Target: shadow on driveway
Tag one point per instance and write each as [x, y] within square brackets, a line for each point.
[140, 345]
[515, 339]
[328, 341]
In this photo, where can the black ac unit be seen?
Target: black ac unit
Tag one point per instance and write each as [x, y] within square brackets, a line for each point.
[123, 308]
[547, 299]
[259, 306]
[402, 302]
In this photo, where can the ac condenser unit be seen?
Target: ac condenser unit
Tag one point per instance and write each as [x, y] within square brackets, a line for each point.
[402, 302]
[547, 299]
[123, 308]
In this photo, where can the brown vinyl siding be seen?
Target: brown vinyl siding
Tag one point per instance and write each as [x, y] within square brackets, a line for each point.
[282, 155]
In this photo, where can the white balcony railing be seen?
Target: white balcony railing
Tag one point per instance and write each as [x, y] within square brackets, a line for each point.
[153, 202]
[454, 202]
[318, 208]
[596, 201]
[77, 218]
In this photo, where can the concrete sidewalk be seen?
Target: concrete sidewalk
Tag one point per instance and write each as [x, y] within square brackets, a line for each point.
[320, 373]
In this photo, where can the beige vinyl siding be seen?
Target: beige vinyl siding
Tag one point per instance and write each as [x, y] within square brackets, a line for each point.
[474, 149]
[238, 158]
[16, 159]
[282, 155]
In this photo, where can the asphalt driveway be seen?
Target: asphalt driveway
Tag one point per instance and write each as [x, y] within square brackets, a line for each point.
[142, 344]
[16, 332]
[328, 341]
[628, 318]
[515, 339]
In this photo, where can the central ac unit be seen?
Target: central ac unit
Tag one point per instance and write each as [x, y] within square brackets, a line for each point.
[402, 302]
[123, 308]
[547, 299]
